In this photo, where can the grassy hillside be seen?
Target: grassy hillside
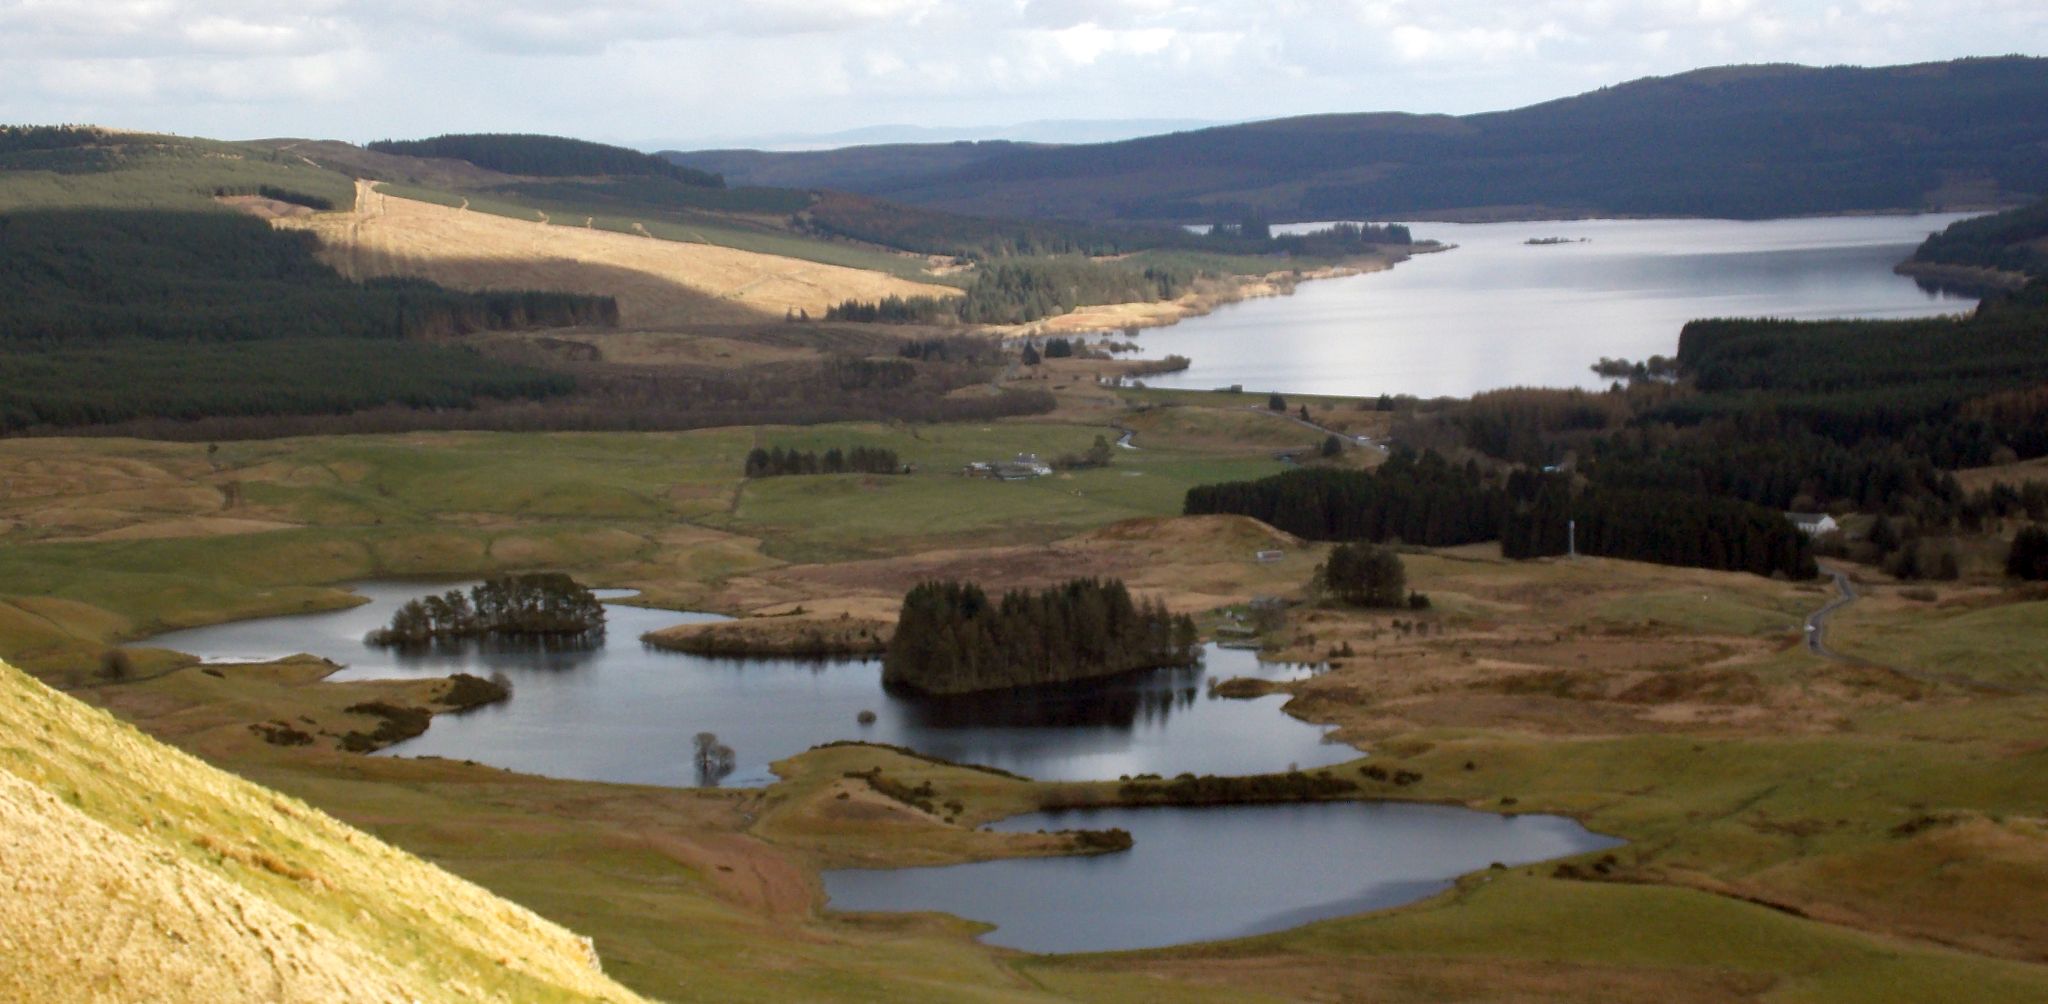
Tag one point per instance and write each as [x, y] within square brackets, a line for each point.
[138, 872]
[1735, 141]
[62, 168]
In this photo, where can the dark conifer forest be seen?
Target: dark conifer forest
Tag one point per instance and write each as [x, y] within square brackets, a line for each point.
[1425, 500]
[951, 638]
[538, 606]
[2010, 241]
[113, 315]
[545, 156]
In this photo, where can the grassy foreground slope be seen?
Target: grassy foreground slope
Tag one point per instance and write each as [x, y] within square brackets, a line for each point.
[136, 871]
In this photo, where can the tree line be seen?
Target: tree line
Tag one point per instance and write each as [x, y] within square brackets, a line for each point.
[532, 605]
[1017, 292]
[316, 202]
[1866, 416]
[951, 638]
[1252, 234]
[977, 238]
[2009, 241]
[1662, 527]
[112, 316]
[778, 461]
[1416, 499]
[544, 156]
[1429, 501]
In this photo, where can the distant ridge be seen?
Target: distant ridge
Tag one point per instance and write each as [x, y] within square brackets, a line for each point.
[539, 156]
[1733, 141]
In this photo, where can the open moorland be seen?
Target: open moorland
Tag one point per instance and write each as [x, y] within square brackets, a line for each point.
[1830, 787]
[1801, 828]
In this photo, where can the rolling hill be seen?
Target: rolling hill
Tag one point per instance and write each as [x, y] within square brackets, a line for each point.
[1740, 141]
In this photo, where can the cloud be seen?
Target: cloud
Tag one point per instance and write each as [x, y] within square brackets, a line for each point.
[641, 68]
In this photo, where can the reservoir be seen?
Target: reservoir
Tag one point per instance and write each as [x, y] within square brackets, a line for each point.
[1198, 874]
[1496, 311]
[627, 712]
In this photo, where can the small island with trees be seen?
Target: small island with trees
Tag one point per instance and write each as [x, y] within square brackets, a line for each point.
[545, 607]
[951, 638]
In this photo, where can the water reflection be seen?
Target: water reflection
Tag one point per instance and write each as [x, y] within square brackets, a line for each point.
[628, 712]
[1221, 872]
[1496, 312]
[1121, 702]
[563, 652]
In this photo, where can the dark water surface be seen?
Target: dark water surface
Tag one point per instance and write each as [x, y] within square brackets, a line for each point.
[1198, 874]
[1497, 312]
[627, 712]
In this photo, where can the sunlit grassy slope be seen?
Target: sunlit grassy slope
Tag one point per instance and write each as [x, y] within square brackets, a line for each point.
[136, 872]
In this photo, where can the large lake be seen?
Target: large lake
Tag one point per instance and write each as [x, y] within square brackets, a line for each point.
[628, 712]
[1199, 874]
[1498, 312]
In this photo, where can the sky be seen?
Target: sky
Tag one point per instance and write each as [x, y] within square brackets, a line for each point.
[669, 73]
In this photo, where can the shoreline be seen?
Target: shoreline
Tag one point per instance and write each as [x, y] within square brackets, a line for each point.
[1972, 277]
[1116, 317]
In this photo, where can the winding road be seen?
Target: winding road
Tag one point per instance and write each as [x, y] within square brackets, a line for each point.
[1817, 621]
[1816, 642]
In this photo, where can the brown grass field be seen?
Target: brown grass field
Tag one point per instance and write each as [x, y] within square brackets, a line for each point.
[658, 283]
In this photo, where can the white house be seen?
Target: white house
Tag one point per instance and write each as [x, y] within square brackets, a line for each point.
[1027, 465]
[1813, 524]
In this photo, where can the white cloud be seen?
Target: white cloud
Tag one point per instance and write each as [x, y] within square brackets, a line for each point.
[632, 69]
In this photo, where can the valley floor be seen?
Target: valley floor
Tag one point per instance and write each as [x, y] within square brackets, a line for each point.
[1800, 828]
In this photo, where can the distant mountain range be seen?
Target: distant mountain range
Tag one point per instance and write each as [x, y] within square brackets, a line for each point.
[1741, 141]
[1040, 131]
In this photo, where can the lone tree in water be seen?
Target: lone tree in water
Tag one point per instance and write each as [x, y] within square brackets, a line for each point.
[713, 759]
[1362, 575]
